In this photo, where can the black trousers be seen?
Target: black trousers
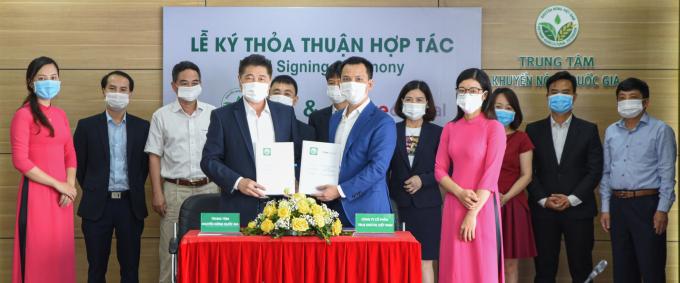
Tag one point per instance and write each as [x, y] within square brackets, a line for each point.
[639, 253]
[579, 241]
[118, 217]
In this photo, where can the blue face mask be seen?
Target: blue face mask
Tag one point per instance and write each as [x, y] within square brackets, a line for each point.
[46, 89]
[560, 102]
[505, 116]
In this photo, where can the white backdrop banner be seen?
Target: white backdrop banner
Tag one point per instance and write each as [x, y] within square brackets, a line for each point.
[404, 44]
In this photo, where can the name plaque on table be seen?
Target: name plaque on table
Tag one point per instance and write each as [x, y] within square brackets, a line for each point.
[220, 223]
[373, 223]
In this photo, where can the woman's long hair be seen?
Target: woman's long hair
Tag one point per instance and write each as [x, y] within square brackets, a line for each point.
[39, 117]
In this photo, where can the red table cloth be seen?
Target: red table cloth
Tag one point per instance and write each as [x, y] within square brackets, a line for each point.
[299, 259]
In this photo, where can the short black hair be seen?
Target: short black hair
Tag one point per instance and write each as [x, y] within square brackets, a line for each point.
[105, 79]
[561, 75]
[334, 70]
[512, 100]
[633, 84]
[354, 60]
[483, 79]
[430, 111]
[287, 80]
[254, 60]
[182, 66]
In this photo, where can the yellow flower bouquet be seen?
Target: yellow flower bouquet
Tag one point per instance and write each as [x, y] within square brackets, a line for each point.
[295, 215]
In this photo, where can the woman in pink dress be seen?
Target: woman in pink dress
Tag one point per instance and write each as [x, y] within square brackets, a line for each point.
[42, 150]
[472, 148]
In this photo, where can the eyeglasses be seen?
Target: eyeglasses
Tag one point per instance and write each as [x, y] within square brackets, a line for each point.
[472, 90]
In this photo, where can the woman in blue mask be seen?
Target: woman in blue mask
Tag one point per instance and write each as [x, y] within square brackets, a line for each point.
[518, 236]
[42, 151]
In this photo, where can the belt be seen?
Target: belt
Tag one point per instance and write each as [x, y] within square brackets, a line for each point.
[189, 182]
[119, 195]
[635, 193]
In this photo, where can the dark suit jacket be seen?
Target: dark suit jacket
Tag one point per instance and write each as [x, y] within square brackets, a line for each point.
[307, 132]
[320, 120]
[578, 173]
[423, 166]
[228, 152]
[91, 141]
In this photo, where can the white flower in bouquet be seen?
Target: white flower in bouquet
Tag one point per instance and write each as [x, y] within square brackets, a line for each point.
[282, 223]
[309, 219]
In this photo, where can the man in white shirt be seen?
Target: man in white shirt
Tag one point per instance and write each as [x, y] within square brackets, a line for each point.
[176, 138]
[567, 168]
[228, 157]
[368, 137]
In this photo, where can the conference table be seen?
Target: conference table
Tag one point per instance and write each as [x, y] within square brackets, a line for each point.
[368, 258]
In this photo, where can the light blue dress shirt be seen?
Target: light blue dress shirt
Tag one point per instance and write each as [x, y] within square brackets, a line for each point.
[641, 158]
[118, 178]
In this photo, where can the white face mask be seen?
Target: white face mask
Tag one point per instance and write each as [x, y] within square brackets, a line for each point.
[281, 99]
[353, 92]
[255, 92]
[630, 108]
[414, 111]
[334, 93]
[469, 102]
[189, 93]
[117, 101]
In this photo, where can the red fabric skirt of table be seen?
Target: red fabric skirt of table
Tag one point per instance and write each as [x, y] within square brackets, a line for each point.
[393, 258]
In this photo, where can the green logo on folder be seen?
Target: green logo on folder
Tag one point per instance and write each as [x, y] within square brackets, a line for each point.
[220, 222]
[374, 223]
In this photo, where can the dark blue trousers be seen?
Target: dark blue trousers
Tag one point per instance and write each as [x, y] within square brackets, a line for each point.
[639, 253]
[119, 218]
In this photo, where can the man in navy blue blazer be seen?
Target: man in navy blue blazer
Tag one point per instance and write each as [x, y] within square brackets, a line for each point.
[228, 157]
[112, 170]
[368, 138]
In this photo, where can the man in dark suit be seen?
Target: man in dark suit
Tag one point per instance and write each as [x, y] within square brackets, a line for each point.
[284, 90]
[112, 170]
[367, 136]
[228, 157]
[320, 119]
[567, 169]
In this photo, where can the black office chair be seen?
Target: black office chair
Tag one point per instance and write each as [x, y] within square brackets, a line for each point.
[190, 219]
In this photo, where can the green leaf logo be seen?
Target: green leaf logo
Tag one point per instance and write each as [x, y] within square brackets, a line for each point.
[565, 31]
[557, 20]
[548, 31]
